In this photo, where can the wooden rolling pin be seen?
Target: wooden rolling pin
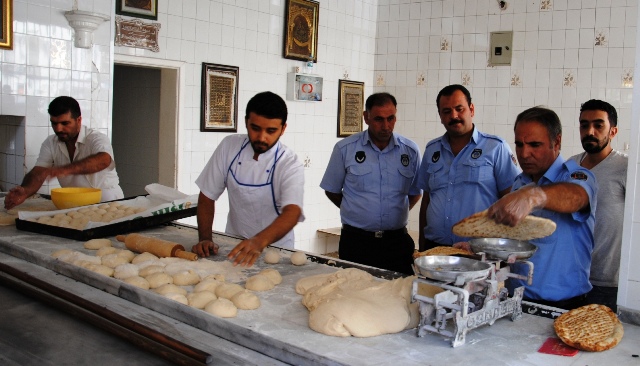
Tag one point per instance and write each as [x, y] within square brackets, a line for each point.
[159, 247]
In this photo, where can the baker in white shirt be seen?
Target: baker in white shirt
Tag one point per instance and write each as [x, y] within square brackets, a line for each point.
[78, 156]
[264, 179]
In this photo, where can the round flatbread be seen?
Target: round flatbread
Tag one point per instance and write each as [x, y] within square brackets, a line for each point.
[592, 328]
[443, 250]
[479, 225]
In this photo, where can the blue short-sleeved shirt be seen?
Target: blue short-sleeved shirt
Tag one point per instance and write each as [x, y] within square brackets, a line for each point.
[563, 259]
[375, 184]
[459, 186]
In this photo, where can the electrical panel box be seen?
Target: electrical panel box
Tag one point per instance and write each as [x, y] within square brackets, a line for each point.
[500, 48]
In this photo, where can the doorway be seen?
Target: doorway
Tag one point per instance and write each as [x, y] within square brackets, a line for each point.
[145, 125]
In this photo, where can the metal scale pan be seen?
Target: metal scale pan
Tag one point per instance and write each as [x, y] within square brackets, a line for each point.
[503, 249]
[451, 269]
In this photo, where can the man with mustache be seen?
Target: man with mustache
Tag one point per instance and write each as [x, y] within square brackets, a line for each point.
[371, 177]
[76, 155]
[264, 180]
[598, 127]
[462, 172]
[558, 190]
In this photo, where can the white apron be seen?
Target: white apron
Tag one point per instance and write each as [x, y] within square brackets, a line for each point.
[252, 207]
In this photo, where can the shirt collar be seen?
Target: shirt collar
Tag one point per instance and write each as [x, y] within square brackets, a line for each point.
[554, 170]
[81, 136]
[393, 141]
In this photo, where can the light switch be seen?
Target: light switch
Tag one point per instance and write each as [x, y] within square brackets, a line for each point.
[500, 48]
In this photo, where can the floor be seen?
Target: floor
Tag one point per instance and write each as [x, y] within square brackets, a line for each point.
[32, 333]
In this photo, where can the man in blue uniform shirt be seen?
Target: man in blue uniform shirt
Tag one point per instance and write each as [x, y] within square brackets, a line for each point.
[371, 177]
[558, 190]
[462, 172]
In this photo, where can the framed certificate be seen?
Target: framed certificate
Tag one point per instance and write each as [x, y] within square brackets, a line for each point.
[6, 32]
[219, 110]
[147, 9]
[301, 30]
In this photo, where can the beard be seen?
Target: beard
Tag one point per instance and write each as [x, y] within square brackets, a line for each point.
[593, 146]
[260, 147]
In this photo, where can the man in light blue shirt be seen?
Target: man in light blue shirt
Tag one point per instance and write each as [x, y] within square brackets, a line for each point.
[371, 177]
[561, 191]
[462, 172]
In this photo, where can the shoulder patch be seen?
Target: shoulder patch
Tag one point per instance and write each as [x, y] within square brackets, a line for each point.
[513, 158]
[360, 157]
[579, 176]
[404, 160]
[435, 157]
[476, 153]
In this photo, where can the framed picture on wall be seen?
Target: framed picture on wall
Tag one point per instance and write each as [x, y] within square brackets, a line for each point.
[350, 107]
[301, 30]
[219, 109]
[6, 33]
[147, 9]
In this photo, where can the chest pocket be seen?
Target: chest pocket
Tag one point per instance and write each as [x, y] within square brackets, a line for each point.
[403, 180]
[477, 171]
[358, 176]
[438, 177]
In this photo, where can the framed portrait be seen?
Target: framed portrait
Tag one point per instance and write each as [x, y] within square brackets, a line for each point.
[350, 107]
[301, 30]
[6, 36]
[147, 9]
[219, 110]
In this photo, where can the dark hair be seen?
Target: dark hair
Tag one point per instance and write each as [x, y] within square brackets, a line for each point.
[269, 105]
[449, 90]
[62, 105]
[548, 118]
[379, 100]
[600, 105]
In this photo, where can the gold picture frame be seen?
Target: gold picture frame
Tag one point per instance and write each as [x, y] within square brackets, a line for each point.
[219, 110]
[350, 107]
[147, 9]
[6, 33]
[301, 30]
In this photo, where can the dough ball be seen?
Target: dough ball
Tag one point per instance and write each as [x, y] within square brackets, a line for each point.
[146, 256]
[177, 297]
[170, 288]
[259, 283]
[106, 250]
[246, 300]
[207, 285]
[127, 254]
[223, 308]
[218, 277]
[113, 260]
[272, 274]
[125, 270]
[149, 270]
[298, 258]
[159, 279]
[227, 290]
[99, 268]
[104, 206]
[60, 252]
[96, 244]
[271, 256]
[199, 300]
[137, 281]
[186, 278]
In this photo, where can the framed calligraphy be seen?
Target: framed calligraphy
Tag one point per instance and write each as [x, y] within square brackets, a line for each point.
[6, 32]
[136, 33]
[301, 30]
[147, 9]
[350, 107]
[219, 110]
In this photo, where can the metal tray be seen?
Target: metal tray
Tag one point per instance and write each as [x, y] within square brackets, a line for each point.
[499, 248]
[123, 227]
[452, 269]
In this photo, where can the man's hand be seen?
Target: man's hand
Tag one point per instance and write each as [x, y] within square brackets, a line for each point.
[205, 248]
[464, 245]
[246, 253]
[16, 196]
[515, 206]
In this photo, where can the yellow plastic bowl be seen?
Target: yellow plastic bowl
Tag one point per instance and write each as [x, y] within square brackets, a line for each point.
[70, 197]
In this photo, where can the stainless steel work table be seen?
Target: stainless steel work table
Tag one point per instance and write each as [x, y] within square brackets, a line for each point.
[277, 332]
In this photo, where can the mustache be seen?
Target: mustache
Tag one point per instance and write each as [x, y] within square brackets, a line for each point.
[455, 121]
[590, 139]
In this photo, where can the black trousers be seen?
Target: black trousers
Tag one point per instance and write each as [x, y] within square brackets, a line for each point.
[393, 251]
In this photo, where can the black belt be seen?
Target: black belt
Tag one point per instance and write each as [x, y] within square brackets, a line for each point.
[375, 234]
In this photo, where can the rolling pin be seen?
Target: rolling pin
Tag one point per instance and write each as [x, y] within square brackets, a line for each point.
[159, 247]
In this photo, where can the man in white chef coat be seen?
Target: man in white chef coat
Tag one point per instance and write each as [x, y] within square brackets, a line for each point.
[264, 179]
[78, 156]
